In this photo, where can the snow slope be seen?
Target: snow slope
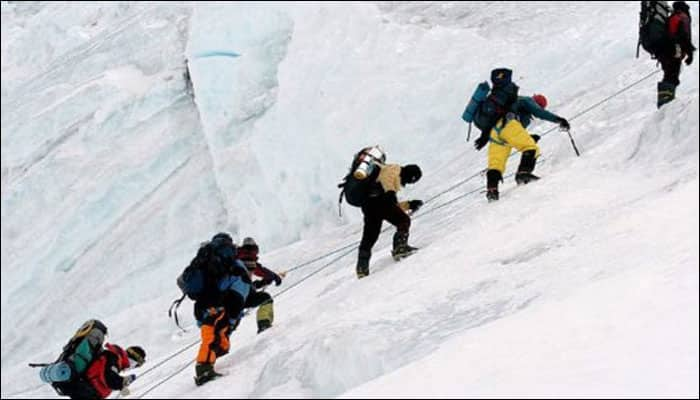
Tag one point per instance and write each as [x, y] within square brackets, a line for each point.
[583, 284]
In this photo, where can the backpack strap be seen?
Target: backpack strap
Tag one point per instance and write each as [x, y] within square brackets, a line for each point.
[341, 186]
[171, 311]
[340, 201]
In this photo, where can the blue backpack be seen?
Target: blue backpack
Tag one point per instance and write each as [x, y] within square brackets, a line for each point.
[489, 104]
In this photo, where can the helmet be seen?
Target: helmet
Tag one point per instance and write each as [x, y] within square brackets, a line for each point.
[540, 100]
[249, 250]
[410, 173]
[249, 241]
[137, 354]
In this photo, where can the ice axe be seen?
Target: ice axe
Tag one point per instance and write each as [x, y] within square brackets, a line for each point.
[568, 132]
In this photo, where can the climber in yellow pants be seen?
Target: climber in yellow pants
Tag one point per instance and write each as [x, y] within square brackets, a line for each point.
[511, 132]
[504, 138]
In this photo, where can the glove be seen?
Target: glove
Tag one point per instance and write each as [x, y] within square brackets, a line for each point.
[536, 138]
[277, 279]
[564, 124]
[689, 58]
[480, 142]
[414, 205]
[128, 380]
[270, 277]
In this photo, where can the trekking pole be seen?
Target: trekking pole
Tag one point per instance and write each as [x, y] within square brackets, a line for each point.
[573, 143]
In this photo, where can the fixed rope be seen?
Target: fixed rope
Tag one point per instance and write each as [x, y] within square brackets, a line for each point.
[352, 246]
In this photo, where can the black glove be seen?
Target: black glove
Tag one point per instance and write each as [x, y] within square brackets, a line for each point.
[480, 142]
[689, 58]
[564, 124]
[270, 277]
[277, 279]
[536, 138]
[414, 205]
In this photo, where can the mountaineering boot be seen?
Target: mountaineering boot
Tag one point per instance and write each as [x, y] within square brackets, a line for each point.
[666, 92]
[263, 325]
[401, 248]
[492, 195]
[493, 177]
[523, 178]
[527, 165]
[205, 373]
[265, 315]
[363, 263]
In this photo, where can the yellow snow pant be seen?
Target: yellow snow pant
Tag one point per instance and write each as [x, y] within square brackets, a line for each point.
[504, 138]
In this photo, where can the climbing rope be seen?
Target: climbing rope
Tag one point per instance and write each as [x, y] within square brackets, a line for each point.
[187, 364]
[352, 246]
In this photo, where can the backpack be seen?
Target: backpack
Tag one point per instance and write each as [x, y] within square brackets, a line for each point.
[653, 21]
[80, 351]
[360, 183]
[499, 101]
[479, 95]
[193, 280]
[202, 274]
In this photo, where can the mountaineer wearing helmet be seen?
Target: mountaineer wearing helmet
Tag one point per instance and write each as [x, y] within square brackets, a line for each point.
[248, 253]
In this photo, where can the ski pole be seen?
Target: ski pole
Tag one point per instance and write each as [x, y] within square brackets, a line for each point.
[573, 143]
[37, 365]
[469, 132]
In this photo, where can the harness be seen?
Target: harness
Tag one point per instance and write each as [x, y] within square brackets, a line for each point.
[500, 125]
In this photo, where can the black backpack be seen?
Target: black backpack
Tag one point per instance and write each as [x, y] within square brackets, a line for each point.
[200, 277]
[653, 27]
[357, 191]
[499, 101]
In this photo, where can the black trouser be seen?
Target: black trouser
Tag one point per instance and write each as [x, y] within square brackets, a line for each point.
[78, 389]
[377, 210]
[265, 313]
[672, 68]
[257, 298]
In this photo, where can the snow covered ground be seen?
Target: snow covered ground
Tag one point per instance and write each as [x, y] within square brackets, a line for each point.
[584, 284]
